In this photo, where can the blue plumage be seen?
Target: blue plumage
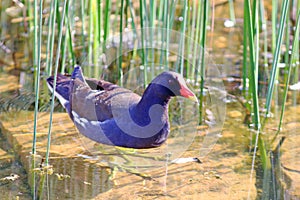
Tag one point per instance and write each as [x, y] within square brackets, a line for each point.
[109, 114]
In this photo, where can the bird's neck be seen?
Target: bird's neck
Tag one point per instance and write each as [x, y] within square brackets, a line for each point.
[152, 99]
[152, 96]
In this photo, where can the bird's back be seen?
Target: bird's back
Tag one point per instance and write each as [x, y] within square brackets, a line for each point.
[91, 99]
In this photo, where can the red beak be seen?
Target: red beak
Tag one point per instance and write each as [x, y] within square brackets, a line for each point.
[187, 93]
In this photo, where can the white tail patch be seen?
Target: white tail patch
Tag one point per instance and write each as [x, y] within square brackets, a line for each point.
[61, 99]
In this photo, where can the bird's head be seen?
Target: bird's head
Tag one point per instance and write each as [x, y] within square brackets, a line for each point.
[173, 84]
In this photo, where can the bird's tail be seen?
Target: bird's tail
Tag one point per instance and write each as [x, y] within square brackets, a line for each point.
[77, 73]
[64, 86]
[62, 90]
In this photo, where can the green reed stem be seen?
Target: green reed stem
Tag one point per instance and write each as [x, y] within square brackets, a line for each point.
[194, 72]
[58, 17]
[253, 70]
[107, 11]
[287, 45]
[166, 38]
[256, 35]
[144, 61]
[231, 11]
[63, 53]
[254, 9]
[152, 12]
[296, 76]
[180, 57]
[265, 160]
[274, 23]
[60, 35]
[67, 41]
[37, 67]
[70, 44]
[114, 27]
[35, 36]
[50, 37]
[28, 5]
[146, 21]
[82, 5]
[132, 15]
[152, 27]
[145, 17]
[172, 13]
[259, 142]
[134, 55]
[163, 13]
[96, 37]
[70, 25]
[42, 181]
[276, 55]
[245, 52]
[134, 30]
[99, 20]
[167, 27]
[190, 32]
[252, 28]
[264, 27]
[202, 56]
[120, 52]
[183, 30]
[292, 64]
[90, 32]
[160, 34]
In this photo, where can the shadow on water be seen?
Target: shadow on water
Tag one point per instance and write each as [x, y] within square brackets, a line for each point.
[73, 178]
[13, 178]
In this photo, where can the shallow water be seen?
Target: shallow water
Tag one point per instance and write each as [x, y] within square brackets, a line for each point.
[90, 173]
[83, 170]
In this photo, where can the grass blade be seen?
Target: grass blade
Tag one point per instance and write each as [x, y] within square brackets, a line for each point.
[245, 52]
[82, 12]
[274, 23]
[144, 60]
[276, 56]
[120, 56]
[50, 37]
[231, 11]
[60, 35]
[37, 67]
[197, 33]
[291, 63]
[152, 28]
[253, 70]
[202, 56]
[106, 22]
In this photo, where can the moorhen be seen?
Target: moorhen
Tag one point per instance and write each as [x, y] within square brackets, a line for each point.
[112, 115]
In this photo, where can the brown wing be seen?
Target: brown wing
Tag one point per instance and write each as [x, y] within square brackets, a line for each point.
[100, 84]
[98, 104]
